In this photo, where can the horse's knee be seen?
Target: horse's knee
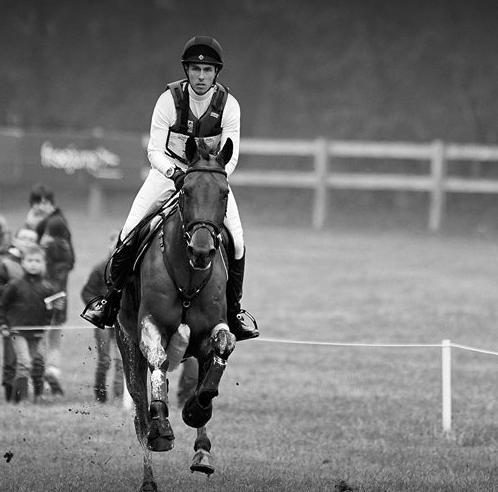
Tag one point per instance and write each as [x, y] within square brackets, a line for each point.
[222, 341]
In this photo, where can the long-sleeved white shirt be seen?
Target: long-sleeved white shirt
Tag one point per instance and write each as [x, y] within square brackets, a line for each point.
[164, 117]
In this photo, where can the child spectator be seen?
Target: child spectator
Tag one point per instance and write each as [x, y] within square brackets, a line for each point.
[10, 269]
[4, 235]
[105, 339]
[54, 234]
[23, 304]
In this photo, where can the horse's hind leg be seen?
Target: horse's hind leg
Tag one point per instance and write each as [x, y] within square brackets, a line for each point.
[135, 369]
[198, 408]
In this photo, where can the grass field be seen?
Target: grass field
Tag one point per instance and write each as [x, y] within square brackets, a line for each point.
[300, 417]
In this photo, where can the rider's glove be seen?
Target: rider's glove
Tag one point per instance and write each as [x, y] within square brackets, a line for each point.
[178, 177]
[4, 329]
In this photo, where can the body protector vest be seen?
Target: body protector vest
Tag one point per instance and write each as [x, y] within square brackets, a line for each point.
[207, 127]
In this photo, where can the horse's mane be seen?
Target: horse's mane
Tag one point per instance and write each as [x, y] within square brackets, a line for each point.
[204, 153]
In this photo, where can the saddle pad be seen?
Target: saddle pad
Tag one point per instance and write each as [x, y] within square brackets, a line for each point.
[150, 229]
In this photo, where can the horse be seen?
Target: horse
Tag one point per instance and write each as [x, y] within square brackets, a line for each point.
[174, 307]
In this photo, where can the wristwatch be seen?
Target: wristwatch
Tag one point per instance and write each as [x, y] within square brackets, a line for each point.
[170, 171]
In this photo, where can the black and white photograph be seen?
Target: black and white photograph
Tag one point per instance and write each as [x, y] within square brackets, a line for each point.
[248, 246]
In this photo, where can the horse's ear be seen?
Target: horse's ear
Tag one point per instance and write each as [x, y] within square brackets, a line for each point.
[190, 149]
[225, 154]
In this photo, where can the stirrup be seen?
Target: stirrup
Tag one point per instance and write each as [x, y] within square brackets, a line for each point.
[100, 312]
[244, 327]
[243, 316]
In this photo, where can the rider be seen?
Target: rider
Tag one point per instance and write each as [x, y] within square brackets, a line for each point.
[198, 106]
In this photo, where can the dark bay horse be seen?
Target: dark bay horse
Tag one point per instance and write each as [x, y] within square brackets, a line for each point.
[174, 306]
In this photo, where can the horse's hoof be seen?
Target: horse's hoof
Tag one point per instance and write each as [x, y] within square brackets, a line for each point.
[160, 436]
[148, 486]
[160, 444]
[202, 462]
[195, 415]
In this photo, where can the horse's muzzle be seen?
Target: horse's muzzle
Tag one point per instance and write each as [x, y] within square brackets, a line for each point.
[201, 249]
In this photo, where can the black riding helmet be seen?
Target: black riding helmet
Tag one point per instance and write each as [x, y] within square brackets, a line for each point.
[203, 49]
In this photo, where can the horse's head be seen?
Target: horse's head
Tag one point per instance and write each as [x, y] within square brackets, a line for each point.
[203, 201]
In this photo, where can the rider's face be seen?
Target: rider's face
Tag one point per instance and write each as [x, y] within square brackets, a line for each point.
[201, 77]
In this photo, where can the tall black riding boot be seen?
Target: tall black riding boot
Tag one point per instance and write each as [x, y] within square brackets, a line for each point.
[237, 317]
[102, 311]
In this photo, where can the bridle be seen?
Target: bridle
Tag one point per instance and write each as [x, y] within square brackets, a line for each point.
[193, 226]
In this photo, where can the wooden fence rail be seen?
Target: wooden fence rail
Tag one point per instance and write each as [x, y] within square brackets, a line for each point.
[21, 161]
[436, 182]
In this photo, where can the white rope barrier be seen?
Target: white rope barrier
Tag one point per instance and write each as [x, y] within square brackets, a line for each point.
[54, 327]
[473, 349]
[445, 347]
[349, 344]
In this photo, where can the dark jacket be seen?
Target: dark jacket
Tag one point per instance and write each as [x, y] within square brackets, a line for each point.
[22, 302]
[60, 253]
[10, 267]
[62, 250]
[95, 284]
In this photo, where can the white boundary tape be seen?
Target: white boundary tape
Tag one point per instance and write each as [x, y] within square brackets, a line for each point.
[445, 347]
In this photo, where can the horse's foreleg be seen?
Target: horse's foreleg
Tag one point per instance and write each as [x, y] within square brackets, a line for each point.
[198, 408]
[202, 461]
[160, 435]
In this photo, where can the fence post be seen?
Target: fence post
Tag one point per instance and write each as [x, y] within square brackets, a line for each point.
[320, 200]
[95, 191]
[438, 198]
[95, 199]
[446, 385]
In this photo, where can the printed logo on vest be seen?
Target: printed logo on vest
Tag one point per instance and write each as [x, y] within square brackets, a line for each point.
[214, 115]
[190, 125]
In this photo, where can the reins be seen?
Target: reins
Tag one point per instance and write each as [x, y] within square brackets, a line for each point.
[188, 230]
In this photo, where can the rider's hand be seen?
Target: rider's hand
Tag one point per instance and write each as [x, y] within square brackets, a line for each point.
[178, 177]
[4, 329]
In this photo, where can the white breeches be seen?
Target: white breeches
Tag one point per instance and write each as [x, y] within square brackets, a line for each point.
[157, 188]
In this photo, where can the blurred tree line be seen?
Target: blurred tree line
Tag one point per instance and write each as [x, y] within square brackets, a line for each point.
[381, 70]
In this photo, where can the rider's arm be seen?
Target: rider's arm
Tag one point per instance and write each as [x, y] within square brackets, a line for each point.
[163, 117]
[231, 129]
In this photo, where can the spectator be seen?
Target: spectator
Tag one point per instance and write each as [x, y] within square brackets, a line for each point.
[10, 269]
[54, 235]
[23, 303]
[105, 339]
[4, 235]
[188, 380]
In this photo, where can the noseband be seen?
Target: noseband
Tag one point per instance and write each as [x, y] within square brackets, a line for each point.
[193, 226]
